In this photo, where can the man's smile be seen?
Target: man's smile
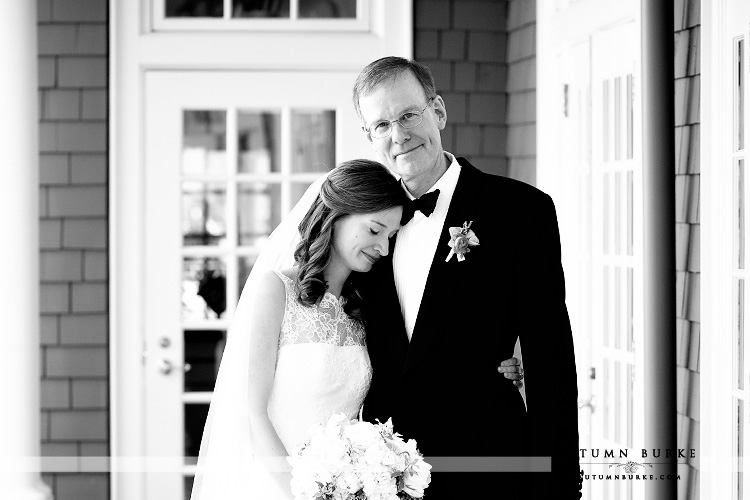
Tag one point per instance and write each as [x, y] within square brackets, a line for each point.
[408, 151]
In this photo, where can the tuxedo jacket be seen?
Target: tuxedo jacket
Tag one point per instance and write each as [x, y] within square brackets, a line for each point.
[443, 388]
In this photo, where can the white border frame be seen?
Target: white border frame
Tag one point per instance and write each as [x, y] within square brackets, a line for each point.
[134, 50]
[716, 297]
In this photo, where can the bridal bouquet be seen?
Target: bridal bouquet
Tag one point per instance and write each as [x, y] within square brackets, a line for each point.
[356, 460]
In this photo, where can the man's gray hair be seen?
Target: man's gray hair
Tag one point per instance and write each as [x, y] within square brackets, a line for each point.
[390, 67]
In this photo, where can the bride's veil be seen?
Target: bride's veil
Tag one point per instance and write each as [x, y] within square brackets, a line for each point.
[226, 458]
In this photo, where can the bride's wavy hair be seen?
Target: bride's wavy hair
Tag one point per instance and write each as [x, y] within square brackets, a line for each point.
[353, 187]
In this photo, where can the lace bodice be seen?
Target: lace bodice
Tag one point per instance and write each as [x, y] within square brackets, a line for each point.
[326, 323]
[322, 367]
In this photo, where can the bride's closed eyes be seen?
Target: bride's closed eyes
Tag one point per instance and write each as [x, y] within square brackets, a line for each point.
[376, 232]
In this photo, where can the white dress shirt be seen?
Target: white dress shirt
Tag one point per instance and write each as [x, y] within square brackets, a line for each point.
[416, 244]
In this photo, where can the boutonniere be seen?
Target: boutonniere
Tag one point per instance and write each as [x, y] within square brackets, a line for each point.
[461, 239]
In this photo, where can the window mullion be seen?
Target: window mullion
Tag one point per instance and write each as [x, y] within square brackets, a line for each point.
[286, 160]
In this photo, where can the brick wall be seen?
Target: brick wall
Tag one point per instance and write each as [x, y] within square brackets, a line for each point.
[687, 179]
[464, 44]
[521, 89]
[73, 255]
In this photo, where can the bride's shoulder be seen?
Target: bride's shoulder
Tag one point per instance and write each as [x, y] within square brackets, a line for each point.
[270, 283]
[290, 272]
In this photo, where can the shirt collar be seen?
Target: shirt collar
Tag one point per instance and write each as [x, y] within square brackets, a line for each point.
[446, 184]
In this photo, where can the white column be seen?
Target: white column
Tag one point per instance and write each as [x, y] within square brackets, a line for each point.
[19, 253]
[660, 356]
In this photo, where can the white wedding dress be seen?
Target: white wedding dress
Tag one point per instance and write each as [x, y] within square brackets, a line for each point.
[322, 367]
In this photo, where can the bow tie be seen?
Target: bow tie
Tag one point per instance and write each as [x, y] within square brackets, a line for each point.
[425, 204]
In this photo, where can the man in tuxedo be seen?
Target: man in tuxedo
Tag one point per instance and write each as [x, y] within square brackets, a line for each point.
[443, 315]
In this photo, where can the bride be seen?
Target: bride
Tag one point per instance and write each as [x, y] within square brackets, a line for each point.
[296, 352]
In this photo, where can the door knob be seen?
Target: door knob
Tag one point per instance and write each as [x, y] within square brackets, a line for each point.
[166, 367]
[588, 403]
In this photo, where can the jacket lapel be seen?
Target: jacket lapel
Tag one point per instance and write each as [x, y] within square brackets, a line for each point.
[436, 298]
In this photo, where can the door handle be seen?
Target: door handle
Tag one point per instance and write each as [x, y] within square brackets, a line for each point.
[166, 367]
[588, 403]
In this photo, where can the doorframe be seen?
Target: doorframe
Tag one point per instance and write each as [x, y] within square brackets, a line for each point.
[716, 297]
[136, 49]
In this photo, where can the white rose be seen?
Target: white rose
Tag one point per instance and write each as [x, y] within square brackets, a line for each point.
[362, 434]
[304, 484]
[335, 423]
[325, 457]
[417, 478]
[375, 454]
[348, 483]
[380, 486]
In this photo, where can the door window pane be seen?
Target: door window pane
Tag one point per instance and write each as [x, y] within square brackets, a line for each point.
[259, 141]
[618, 400]
[203, 213]
[605, 120]
[260, 8]
[605, 213]
[258, 212]
[618, 213]
[739, 333]
[605, 306]
[204, 294]
[739, 211]
[630, 381]
[605, 399]
[629, 116]
[629, 298]
[328, 9]
[630, 212]
[195, 421]
[618, 115]
[738, 436]
[195, 8]
[618, 307]
[188, 491]
[739, 95]
[203, 351]
[204, 142]
[314, 136]
[298, 189]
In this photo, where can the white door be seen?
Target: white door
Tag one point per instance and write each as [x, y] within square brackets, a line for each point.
[227, 155]
[725, 377]
[735, 153]
[616, 314]
[589, 162]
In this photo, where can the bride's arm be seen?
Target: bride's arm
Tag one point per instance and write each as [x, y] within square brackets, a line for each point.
[264, 329]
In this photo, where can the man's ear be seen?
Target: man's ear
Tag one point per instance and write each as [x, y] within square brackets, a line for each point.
[367, 135]
[438, 105]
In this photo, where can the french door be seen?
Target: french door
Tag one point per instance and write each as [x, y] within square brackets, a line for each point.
[725, 376]
[589, 161]
[617, 266]
[227, 155]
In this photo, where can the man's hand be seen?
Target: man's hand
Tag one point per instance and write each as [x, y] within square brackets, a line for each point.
[512, 370]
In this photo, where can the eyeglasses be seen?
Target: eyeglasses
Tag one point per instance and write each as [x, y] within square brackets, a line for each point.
[383, 128]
